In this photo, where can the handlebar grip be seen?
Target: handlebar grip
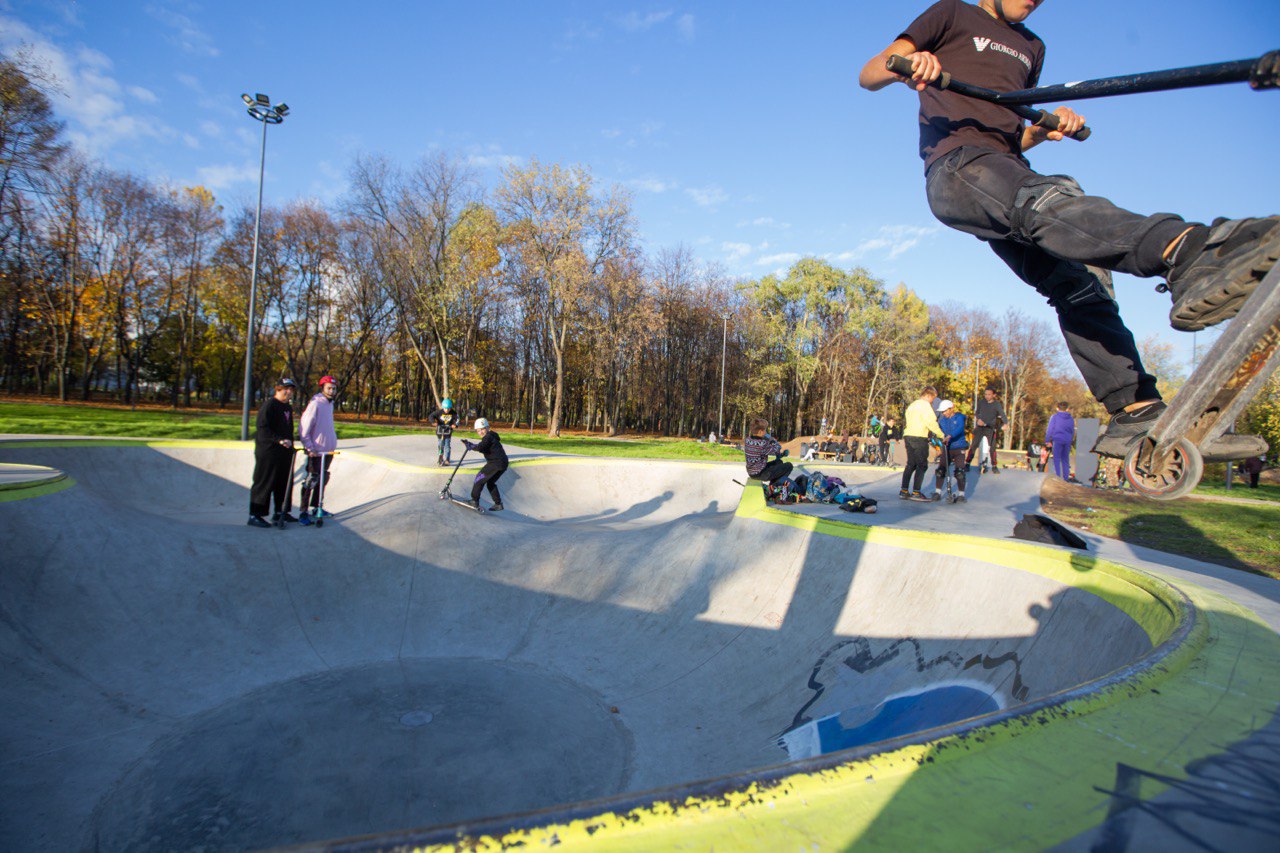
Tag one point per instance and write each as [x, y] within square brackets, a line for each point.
[1050, 120]
[899, 65]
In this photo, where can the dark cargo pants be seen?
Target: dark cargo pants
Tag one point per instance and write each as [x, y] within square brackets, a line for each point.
[1064, 244]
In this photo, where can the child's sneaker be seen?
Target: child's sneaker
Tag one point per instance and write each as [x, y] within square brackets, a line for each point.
[258, 521]
[903, 494]
[496, 507]
[937, 495]
[304, 519]
[961, 498]
[1211, 285]
[919, 497]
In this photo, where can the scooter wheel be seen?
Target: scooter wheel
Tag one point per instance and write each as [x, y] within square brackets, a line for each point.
[1171, 477]
[319, 522]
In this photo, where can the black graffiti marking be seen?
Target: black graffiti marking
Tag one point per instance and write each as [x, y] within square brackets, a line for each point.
[1236, 788]
[1020, 691]
[862, 662]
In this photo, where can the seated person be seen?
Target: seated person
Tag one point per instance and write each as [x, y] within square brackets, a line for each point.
[758, 447]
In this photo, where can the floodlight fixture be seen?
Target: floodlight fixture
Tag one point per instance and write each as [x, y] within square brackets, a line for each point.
[248, 100]
[264, 100]
[282, 110]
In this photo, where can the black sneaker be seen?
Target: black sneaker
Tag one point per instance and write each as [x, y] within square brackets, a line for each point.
[995, 470]
[1125, 428]
[496, 507]
[903, 494]
[919, 497]
[288, 517]
[258, 521]
[937, 495]
[1211, 285]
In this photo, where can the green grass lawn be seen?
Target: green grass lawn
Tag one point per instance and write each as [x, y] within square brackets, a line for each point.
[1264, 492]
[1237, 535]
[71, 419]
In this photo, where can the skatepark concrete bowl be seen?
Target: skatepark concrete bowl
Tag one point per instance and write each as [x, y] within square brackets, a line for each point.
[624, 632]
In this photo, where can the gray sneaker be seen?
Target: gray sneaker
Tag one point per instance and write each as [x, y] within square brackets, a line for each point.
[1212, 285]
[1126, 428]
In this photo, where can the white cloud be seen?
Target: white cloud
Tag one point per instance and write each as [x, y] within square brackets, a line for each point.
[211, 128]
[145, 95]
[707, 196]
[781, 259]
[736, 251]
[651, 185]
[611, 133]
[634, 22]
[765, 222]
[84, 91]
[185, 33]
[685, 26]
[228, 174]
[491, 157]
[891, 240]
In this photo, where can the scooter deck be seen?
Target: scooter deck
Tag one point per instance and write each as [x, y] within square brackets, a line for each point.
[467, 504]
[1231, 375]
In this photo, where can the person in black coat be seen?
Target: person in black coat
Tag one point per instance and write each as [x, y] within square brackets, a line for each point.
[495, 463]
[273, 457]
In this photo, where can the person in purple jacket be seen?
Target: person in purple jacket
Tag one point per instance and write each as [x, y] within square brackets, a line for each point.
[1059, 435]
[320, 441]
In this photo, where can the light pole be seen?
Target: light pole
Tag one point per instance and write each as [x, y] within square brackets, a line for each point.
[724, 345]
[260, 108]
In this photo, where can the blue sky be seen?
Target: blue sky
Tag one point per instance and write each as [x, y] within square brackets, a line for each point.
[739, 127]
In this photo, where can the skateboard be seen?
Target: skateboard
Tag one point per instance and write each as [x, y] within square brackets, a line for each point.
[1168, 462]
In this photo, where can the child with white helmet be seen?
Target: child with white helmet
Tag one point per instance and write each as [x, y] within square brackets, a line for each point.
[495, 462]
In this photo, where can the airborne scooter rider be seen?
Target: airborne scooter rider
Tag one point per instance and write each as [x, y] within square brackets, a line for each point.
[1053, 236]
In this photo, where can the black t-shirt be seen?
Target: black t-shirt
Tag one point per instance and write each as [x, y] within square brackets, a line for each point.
[983, 51]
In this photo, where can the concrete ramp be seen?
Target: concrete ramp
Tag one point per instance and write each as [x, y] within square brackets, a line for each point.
[178, 680]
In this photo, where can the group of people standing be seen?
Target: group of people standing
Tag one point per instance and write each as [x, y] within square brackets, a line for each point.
[274, 451]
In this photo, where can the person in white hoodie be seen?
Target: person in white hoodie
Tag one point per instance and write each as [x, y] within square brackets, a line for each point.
[319, 441]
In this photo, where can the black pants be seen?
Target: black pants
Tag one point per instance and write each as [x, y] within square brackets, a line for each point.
[956, 457]
[488, 478]
[773, 472]
[917, 462]
[311, 485]
[272, 469]
[979, 433]
[1063, 243]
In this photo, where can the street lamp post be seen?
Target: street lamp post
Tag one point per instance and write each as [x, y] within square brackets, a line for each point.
[260, 108]
[724, 345]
